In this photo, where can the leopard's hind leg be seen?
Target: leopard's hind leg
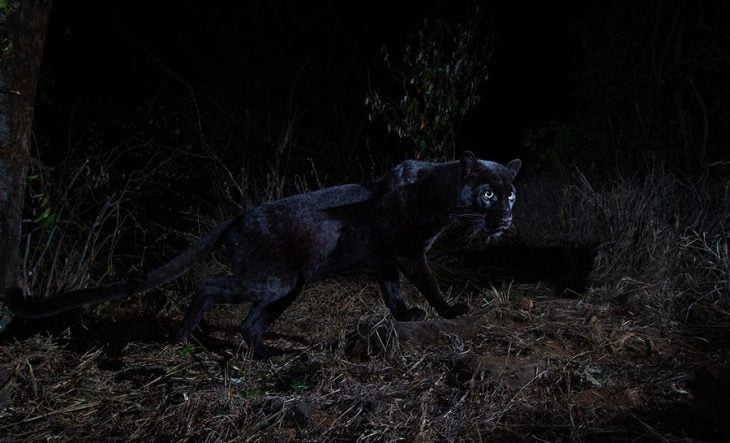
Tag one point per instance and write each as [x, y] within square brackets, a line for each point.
[213, 291]
[264, 312]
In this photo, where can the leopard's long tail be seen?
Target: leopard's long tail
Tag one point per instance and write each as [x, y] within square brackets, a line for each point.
[19, 306]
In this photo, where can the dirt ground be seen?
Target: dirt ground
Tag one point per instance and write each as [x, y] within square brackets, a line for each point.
[524, 365]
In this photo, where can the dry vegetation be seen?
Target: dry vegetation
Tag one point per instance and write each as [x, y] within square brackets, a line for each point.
[523, 366]
[640, 353]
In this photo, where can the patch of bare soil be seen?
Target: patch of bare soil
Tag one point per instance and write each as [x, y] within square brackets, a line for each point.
[531, 367]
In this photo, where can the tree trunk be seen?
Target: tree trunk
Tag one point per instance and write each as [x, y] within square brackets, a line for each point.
[22, 34]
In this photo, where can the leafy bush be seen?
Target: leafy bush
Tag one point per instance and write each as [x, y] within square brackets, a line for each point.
[440, 70]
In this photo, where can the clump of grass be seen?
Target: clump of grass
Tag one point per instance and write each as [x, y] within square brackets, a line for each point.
[662, 237]
[707, 269]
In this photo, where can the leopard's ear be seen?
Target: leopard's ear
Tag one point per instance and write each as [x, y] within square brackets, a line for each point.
[514, 166]
[468, 162]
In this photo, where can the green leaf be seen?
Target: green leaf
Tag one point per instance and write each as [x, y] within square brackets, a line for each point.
[299, 386]
[6, 45]
[253, 393]
[186, 350]
[48, 222]
[45, 214]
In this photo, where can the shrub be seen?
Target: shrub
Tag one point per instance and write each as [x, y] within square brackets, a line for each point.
[440, 70]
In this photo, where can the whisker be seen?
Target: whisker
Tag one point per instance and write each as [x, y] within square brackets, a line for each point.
[474, 233]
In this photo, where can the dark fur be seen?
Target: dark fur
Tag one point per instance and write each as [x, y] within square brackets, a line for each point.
[278, 246]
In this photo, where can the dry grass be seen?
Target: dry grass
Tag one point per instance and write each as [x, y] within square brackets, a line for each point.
[522, 366]
[661, 238]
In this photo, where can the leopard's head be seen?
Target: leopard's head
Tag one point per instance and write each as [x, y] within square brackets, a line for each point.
[487, 194]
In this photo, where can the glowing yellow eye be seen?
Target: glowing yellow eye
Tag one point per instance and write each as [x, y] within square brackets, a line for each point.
[488, 194]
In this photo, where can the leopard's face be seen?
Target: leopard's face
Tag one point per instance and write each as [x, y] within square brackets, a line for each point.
[488, 194]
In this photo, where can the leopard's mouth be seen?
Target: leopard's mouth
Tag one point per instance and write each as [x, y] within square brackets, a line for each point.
[492, 231]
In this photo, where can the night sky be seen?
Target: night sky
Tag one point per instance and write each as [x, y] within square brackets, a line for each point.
[106, 59]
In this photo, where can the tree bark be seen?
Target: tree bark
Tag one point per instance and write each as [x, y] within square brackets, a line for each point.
[22, 35]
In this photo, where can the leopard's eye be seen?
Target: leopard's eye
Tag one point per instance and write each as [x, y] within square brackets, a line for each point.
[512, 196]
[488, 195]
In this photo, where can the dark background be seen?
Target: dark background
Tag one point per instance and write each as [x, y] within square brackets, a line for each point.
[106, 61]
[277, 89]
